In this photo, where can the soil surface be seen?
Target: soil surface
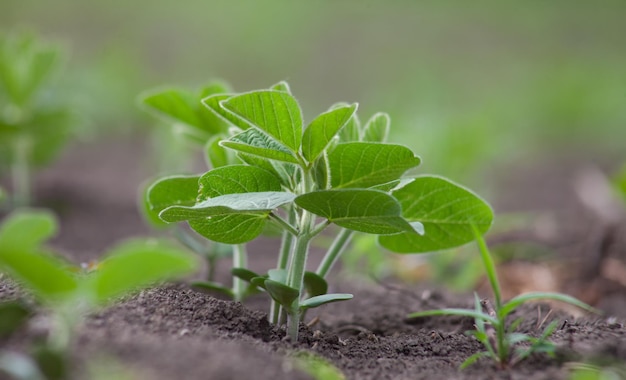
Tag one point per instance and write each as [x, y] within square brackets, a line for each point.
[178, 332]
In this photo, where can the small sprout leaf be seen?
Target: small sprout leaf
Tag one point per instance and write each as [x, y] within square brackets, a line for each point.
[323, 129]
[447, 212]
[278, 275]
[257, 143]
[234, 179]
[281, 293]
[213, 286]
[315, 284]
[244, 274]
[324, 299]
[364, 210]
[360, 164]
[139, 263]
[255, 204]
[21, 256]
[277, 113]
[259, 281]
[515, 302]
[377, 128]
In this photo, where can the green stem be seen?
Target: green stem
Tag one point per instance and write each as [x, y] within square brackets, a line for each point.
[283, 260]
[21, 172]
[240, 260]
[284, 224]
[295, 280]
[335, 250]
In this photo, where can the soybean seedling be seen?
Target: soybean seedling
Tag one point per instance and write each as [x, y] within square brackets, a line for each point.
[503, 344]
[68, 292]
[35, 119]
[335, 171]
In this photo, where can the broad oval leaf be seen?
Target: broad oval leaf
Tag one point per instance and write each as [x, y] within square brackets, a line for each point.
[277, 113]
[257, 143]
[364, 210]
[323, 129]
[139, 263]
[234, 179]
[360, 164]
[216, 155]
[231, 228]
[281, 86]
[377, 128]
[169, 191]
[446, 211]
[247, 203]
[324, 299]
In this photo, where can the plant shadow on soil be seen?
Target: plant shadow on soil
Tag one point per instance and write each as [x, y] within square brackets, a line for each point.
[177, 332]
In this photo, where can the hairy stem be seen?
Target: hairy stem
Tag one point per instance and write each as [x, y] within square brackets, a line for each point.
[240, 260]
[283, 260]
[295, 280]
[335, 250]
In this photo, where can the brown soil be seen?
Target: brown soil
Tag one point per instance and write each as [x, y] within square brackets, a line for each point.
[176, 332]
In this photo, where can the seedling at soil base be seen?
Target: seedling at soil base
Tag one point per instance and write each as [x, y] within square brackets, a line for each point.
[70, 292]
[302, 180]
[34, 120]
[503, 344]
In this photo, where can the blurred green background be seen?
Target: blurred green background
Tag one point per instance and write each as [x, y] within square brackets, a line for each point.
[467, 84]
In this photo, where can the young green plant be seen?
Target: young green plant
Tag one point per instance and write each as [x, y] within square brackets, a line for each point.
[69, 292]
[498, 337]
[35, 119]
[335, 171]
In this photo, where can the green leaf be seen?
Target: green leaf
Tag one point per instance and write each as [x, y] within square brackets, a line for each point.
[446, 210]
[377, 128]
[281, 293]
[26, 230]
[460, 312]
[213, 286]
[278, 275]
[213, 104]
[275, 112]
[169, 191]
[351, 132]
[138, 264]
[314, 284]
[364, 210]
[324, 299]
[515, 302]
[235, 179]
[173, 105]
[216, 155]
[255, 142]
[244, 274]
[259, 281]
[323, 129]
[472, 359]
[231, 228]
[281, 86]
[258, 203]
[357, 164]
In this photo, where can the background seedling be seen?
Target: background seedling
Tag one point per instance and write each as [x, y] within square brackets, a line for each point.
[35, 119]
[303, 179]
[501, 340]
[70, 292]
